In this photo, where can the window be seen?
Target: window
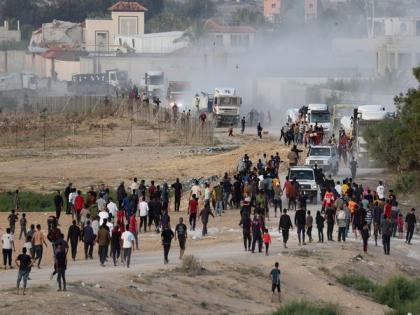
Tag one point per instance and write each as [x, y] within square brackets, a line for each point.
[273, 5]
[128, 25]
[241, 40]
[101, 41]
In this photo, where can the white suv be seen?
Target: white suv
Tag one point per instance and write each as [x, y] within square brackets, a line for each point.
[325, 156]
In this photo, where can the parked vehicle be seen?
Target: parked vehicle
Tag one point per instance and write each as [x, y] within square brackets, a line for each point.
[106, 83]
[325, 156]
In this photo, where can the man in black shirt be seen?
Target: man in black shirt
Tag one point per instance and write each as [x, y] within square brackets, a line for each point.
[167, 236]
[285, 225]
[24, 262]
[300, 222]
[177, 187]
[181, 232]
[61, 266]
[411, 221]
[246, 231]
[58, 202]
[330, 216]
[74, 235]
[67, 192]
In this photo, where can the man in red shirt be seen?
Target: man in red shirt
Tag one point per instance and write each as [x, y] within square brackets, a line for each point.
[79, 202]
[387, 209]
[192, 211]
[328, 198]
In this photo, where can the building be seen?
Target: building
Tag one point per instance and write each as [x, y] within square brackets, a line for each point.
[160, 43]
[57, 35]
[394, 41]
[229, 38]
[311, 9]
[6, 34]
[127, 18]
[272, 9]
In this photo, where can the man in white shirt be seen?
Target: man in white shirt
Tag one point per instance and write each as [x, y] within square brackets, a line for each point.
[143, 209]
[101, 203]
[7, 244]
[128, 245]
[103, 214]
[380, 190]
[195, 190]
[134, 186]
[337, 188]
[72, 198]
[207, 194]
[112, 207]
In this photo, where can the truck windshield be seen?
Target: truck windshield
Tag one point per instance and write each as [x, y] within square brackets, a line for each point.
[320, 152]
[227, 100]
[302, 174]
[320, 117]
[155, 80]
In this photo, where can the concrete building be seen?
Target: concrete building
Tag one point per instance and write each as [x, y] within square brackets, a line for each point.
[127, 18]
[6, 34]
[395, 43]
[229, 38]
[57, 35]
[272, 9]
[158, 43]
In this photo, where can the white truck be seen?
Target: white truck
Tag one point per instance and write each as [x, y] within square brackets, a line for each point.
[367, 115]
[319, 114]
[224, 105]
[154, 82]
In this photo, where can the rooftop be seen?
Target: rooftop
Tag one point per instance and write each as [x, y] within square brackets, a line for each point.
[127, 6]
[214, 27]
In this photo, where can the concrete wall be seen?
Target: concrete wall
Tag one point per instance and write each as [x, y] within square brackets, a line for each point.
[12, 61]
[9, 35]
[158, 43]
[66, 69]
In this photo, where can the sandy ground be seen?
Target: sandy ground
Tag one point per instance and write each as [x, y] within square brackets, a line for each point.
[234, 281]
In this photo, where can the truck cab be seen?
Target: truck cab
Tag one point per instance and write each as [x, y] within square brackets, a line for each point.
[305, 176]
[367, 115]
[155, 83]
[325, 156]
[319, 114]
[226, 106]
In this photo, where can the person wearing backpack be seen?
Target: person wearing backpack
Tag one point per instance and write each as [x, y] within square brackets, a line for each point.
[342, 218]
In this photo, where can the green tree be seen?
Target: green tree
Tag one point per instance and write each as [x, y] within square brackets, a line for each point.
[396, 141]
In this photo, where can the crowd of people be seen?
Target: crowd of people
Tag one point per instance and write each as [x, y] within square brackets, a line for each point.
[113, 224]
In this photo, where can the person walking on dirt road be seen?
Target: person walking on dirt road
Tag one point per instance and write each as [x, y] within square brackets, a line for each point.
[243, 122]
[204, 215]
[411, 221]
[285, 224]
[386, 234]
[259, 130]
[177, 187]
[246, 230]
[74, 235]
[127, 245]
[181, 234]
[167, 236]
[275, 281]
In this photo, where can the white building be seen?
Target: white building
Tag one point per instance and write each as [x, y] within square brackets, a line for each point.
[394, 41]
[6, 34]
[161, 43]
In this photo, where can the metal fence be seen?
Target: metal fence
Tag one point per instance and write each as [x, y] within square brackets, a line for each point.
[83, 121]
